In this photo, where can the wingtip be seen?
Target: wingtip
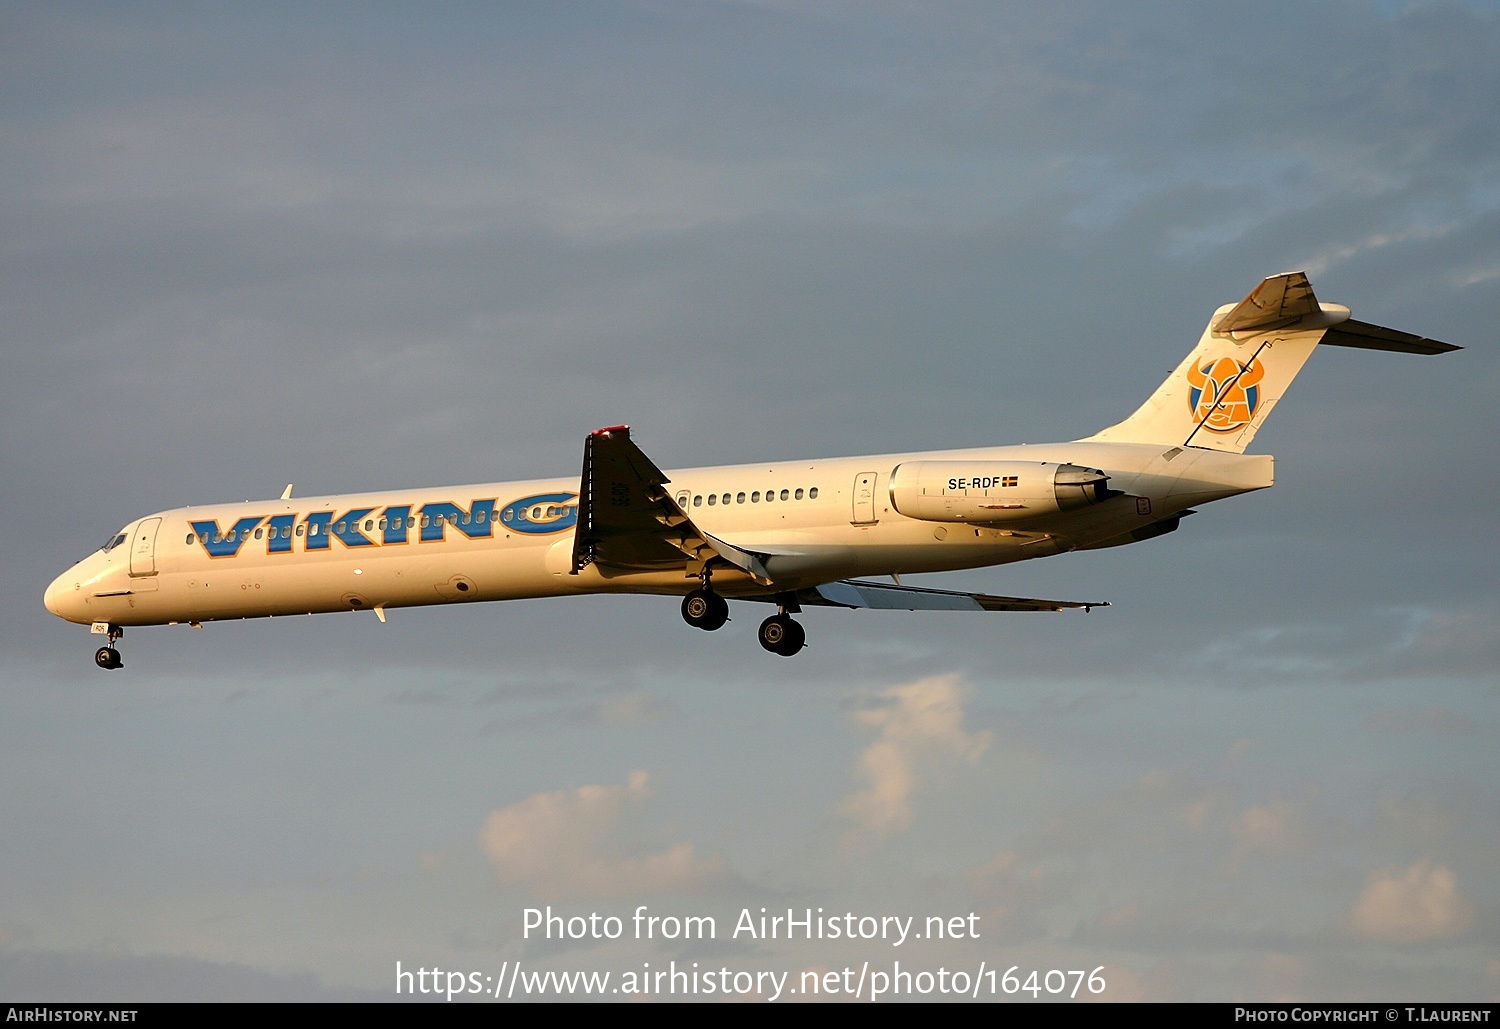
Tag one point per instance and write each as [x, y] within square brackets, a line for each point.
[610, 430]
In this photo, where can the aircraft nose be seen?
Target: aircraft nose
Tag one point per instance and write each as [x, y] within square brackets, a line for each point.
[53, 597]
[59, 597]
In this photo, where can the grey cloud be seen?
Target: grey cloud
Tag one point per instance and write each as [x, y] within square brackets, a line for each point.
[122, 978]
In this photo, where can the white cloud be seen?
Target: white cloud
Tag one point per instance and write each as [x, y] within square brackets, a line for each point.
[1277, 826]
[1415, 905]
[636, 707]
[920, 727]
[562, 844]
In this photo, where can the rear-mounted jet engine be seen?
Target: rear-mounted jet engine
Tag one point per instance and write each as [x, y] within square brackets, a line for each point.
[993, 491]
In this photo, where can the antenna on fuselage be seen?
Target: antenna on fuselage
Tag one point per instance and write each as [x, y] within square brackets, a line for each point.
[286, 494]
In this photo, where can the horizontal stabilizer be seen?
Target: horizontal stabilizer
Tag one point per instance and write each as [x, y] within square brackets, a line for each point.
[887, 596]
[1220, 395]
[1277, 301]
[1365, 336]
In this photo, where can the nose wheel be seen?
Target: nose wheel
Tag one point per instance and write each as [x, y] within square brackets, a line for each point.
[107, 656]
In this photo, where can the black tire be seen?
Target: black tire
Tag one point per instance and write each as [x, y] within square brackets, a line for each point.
[704, 609]
[107, 657]
[796, 639]
[780, 634]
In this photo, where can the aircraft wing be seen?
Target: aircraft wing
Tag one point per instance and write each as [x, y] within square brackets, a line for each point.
[889, 596]
[628, 521]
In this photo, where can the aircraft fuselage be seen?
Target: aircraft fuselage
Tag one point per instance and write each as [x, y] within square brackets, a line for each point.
[824, 519]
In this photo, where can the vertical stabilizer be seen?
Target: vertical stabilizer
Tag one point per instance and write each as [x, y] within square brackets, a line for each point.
[1221, 394]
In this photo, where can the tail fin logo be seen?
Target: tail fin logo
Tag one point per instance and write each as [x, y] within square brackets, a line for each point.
[1225, 393]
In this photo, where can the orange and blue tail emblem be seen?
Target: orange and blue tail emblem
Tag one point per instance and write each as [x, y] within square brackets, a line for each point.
[1224, 393]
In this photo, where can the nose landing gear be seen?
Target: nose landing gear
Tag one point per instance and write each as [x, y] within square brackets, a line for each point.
[107, 656]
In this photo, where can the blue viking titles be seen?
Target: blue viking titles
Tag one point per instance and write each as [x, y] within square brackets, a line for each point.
[393, 525]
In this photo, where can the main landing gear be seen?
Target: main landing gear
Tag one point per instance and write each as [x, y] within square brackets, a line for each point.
[780, 634]
[705, 609]
[108, 656]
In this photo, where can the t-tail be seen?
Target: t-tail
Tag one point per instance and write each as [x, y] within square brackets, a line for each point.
[1219, 397]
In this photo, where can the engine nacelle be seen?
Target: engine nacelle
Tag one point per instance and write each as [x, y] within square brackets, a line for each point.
[991, 492]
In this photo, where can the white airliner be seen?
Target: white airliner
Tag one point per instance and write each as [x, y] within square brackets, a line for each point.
[791, 533]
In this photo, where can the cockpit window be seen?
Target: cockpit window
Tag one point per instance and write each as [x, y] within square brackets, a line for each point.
[113, 542]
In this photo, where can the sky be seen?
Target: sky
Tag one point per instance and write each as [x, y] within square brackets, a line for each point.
[376, 246]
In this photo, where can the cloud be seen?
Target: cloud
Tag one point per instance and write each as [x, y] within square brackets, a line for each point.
[1463, 642]
[88, 975]
[1124, 984]
[632, 708]
[1416, 905]
[1239, 749]
[562, 844]
[920, 727]
[1277, 826]
[1012, 896]
[1378, 645]
[1431, 719]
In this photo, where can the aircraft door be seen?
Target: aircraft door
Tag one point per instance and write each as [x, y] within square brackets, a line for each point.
[864, 499]
[143, 547]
